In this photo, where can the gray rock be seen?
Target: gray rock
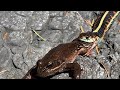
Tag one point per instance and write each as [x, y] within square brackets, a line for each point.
[31, 54]
[117, 39]
[52, 36]
[39, 19]
[18, 74]
[56, 13]
[5, 56]
[115, 70]
[91, 68]
[6, 75]
[1, 36]
[45, 47]
[61, 76]
[3, 71]
[106, 65]
[18, 60]
[25, 13]
[87, 14]
[24, 68]
[5, 61]
[114, 59]
[56, 23]
[13, 73]
[71, 19]
[20, 37]
[79, 21]
[18, 49]
[69, 35]
[114, 41]
[11, 20]
[104, 50]
[116, 47]
[61, 22]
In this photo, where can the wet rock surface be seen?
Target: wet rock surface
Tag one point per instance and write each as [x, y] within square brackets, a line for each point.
[20, 47]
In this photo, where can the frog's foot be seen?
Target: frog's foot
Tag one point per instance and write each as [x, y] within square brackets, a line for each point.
[30, 74]
[97, 49]
[75, 70]
[89, 53]
[91, 48]
[27, 76]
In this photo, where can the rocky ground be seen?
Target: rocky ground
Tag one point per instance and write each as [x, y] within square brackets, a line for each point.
[20, 47]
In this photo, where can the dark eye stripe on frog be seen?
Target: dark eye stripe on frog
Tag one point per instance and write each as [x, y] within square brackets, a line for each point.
[53, 64]
[50, 64]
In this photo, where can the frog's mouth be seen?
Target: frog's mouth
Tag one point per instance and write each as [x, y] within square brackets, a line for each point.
[90, 38]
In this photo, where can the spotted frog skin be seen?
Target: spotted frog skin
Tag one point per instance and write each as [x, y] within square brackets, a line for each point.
[61, 59]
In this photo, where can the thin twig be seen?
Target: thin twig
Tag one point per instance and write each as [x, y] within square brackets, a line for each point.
[106, 71]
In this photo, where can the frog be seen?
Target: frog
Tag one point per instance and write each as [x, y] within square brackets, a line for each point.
[62, 58]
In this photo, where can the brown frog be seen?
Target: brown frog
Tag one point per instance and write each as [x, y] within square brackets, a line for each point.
[62, 58]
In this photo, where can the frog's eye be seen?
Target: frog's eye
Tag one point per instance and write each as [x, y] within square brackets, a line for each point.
[50, 64]
[53, 64]
[87, 39]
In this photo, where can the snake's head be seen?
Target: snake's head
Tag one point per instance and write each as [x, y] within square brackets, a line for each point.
[89, 37]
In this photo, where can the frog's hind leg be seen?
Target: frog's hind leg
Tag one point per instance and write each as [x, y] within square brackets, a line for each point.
[75, 70]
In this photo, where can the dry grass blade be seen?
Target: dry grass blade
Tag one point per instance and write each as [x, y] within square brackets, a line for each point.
[38, 35]
[82, 30]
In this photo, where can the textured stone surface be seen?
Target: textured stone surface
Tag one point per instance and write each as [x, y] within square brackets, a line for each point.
[39, 19]
[56, 23]
[11, 20]
[25, 13]
[52, 36]
[56, 13]
[20, 47]
[5, 56]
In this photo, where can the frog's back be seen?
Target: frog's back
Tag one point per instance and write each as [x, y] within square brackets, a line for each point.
[62, 51]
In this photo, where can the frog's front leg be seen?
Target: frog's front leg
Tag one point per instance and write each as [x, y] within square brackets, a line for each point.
[31, 74]
[75, 70]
